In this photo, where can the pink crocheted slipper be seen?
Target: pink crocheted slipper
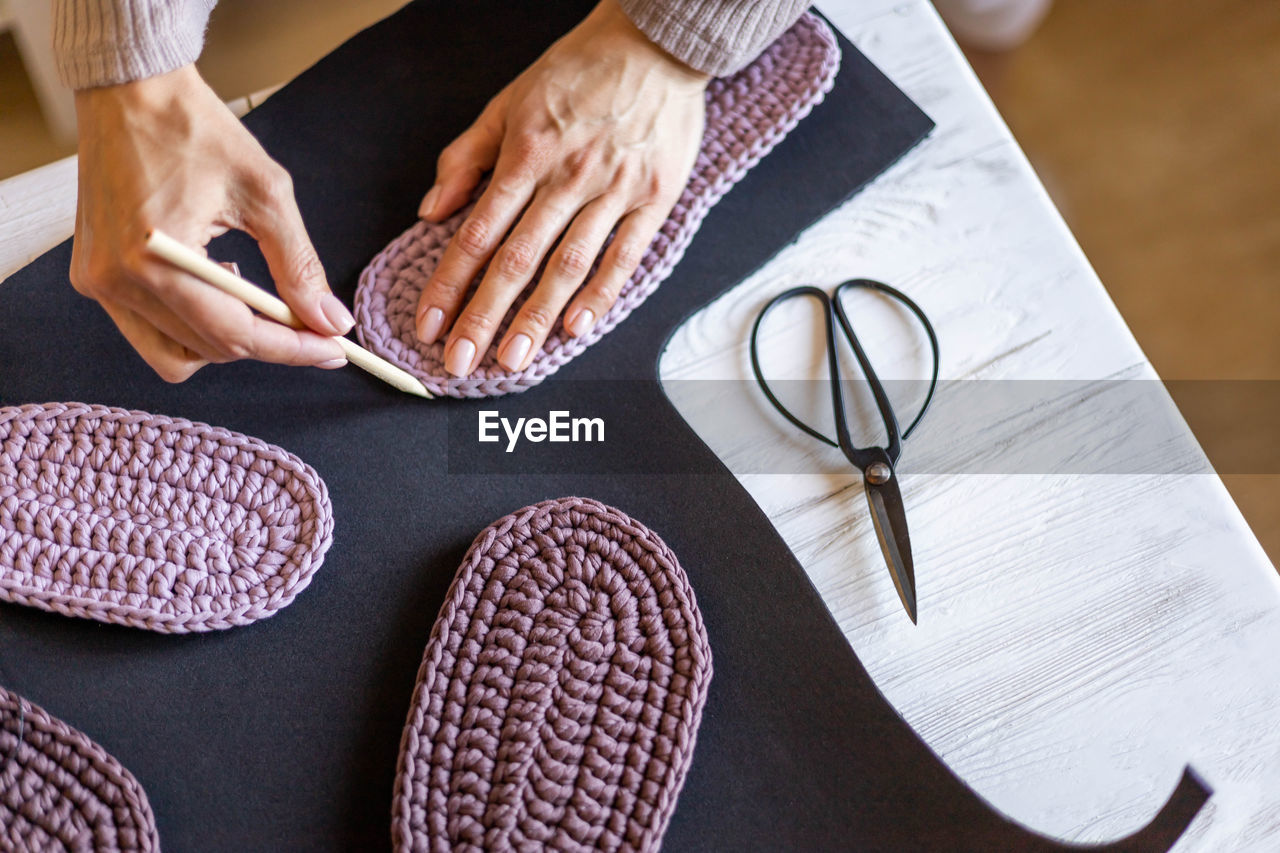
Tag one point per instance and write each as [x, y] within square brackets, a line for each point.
[560, 695]
[747, 115]
[153, 522]
[61, 791]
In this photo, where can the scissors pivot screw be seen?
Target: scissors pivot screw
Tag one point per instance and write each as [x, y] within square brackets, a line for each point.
[878, 472]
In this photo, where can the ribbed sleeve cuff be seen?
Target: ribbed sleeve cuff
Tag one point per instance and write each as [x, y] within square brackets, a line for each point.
[104, 42]
[714, 36]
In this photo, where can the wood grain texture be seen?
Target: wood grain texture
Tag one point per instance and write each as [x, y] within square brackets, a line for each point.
[1081, 637]
[37, 212]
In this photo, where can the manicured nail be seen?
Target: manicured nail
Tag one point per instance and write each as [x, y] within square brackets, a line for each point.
[582, 322]
[459, 357]
[332, 364]
[429, 202]
[512, 355]
[337, 313]
[430, 325]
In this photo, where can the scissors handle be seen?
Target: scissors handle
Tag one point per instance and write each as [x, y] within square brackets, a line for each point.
[834, 314]
[882, 399]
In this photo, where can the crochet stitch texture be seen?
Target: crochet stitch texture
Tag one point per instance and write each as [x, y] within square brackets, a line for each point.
[153, 522]
[747, 115]
[559, 698]
[61, 791]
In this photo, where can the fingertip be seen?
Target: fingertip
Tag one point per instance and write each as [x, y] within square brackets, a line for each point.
[446, 198]
[430, 324]
[458, 357]
[426, 210]
[580, 321]
[339, 317]
[515, 351]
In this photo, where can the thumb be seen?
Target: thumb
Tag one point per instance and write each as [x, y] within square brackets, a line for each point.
[275, 222]
[464, 161]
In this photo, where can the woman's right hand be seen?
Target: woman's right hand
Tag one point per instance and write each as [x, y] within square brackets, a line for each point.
[166, 153]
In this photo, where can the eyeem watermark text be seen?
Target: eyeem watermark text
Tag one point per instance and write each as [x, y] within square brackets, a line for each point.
[558, 426]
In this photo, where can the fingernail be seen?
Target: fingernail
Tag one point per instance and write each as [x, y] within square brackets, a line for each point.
[512, 355]
[332, 364]
[232, 266]
[429, 202]
[430, 324]
[337, 313]
[459, 357]
[582, 322]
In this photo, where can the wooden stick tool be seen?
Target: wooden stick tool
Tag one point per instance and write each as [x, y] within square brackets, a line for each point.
[184, 258]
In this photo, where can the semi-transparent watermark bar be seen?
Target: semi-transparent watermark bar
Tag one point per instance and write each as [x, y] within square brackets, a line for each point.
[973, 427]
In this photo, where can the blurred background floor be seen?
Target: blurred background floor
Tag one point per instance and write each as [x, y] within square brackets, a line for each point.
[1155, 125]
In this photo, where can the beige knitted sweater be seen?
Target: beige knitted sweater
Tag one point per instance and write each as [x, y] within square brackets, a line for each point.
[101, 42]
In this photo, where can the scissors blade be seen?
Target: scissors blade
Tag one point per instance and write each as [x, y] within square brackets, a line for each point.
[890, 521]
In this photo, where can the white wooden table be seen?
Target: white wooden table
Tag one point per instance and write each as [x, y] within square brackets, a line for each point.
[1081, 637]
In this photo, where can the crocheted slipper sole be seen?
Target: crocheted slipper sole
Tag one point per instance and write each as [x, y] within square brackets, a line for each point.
[747, 115]
[560, 695]
[61, 791]
[153, 522]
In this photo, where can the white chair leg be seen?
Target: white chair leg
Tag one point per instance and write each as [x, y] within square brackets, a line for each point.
[32, 22]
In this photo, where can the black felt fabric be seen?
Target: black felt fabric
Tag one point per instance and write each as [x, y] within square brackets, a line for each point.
[284, 735]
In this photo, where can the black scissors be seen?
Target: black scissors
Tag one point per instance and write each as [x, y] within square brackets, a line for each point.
[879, 476]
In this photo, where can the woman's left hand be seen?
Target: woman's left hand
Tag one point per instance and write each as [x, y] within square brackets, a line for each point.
[599, 133]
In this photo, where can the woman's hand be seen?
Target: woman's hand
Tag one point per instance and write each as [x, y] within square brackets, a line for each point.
[599, 133]
[166, 153]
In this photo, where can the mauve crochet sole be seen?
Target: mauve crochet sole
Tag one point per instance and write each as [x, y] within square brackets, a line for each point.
[153, 522]
[61, 791]
[747, 115]
[559, 698]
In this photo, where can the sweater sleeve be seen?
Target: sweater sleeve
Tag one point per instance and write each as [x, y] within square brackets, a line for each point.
[714, 36]
[103, 42]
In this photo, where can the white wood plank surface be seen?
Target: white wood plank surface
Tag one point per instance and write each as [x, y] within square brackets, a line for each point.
[1082, 637]
[37, 212]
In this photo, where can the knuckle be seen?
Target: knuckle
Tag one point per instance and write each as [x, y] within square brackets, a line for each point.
[291, 353]
[445, 291]
[475, 325]
[282, 181]
[235, 344]
[94, 278]
[626, 174]
[517, 257]
[238, 350]
[474, 236]
[574, 260]
[580, 167]
[450, 158]
[528, 146]
[627, 255]
[273, 183]
[512, 182]
[539, 317]
[305, 265]
[659, 187]
[170, 373]
[176, 370]
[80, 284]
